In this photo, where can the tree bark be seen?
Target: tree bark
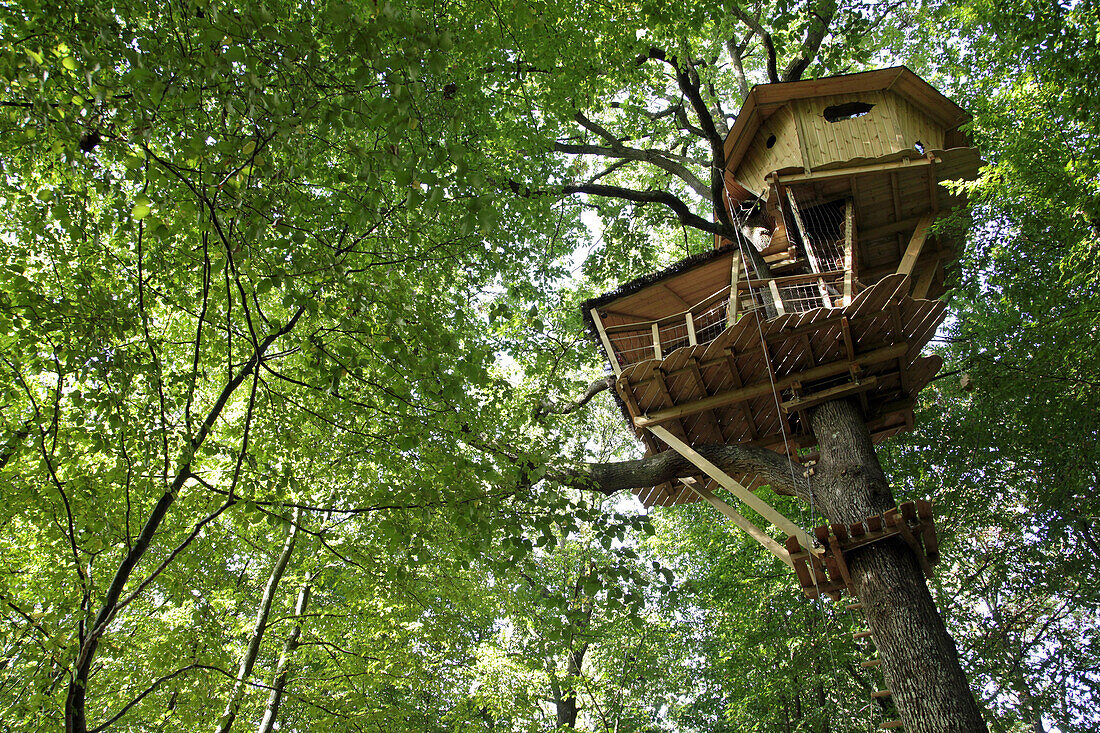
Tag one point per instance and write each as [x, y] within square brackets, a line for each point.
[919, 658]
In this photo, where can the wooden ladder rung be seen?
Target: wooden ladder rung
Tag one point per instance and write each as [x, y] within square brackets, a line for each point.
[861, 635]
[881, 693]
[853, 607]
[889, 724]
[867, 664]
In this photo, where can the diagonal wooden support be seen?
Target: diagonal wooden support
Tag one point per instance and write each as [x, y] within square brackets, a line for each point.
[734, 304]
[808, 245]
[916, 245]
[740, 520]
[727, 482]
[598, 322]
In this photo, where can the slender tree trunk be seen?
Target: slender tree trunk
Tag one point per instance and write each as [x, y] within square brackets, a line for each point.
[248, 661]
[566, 709]
[76, 714]
[919, 658]
[823, 704]
[278, 685]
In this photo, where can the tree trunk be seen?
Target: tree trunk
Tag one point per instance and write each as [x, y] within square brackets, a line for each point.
[253, 651]
[919, 658]
[278, 685]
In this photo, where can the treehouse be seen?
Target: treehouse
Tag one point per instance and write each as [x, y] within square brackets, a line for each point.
[830, 293]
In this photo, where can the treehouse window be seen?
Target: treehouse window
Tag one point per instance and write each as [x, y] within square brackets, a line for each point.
[770, 142]
[846, 111]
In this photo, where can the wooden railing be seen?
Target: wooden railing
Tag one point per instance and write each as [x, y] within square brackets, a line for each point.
[703, 322]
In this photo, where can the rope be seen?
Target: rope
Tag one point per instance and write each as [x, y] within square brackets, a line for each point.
[786, 444]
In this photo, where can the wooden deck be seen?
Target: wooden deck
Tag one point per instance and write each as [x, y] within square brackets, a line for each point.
[827, 574]
[722, 392]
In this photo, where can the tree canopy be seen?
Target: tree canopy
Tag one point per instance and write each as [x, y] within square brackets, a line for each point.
[288, 293]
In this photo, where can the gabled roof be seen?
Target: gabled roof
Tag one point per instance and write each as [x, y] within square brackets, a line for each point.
[765, 99]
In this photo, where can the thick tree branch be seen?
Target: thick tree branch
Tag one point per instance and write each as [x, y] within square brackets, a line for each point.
[811, 43]
[653, 157]
[609, 478]
[688, 80]
[598, 129]
[683, 212]
[765, 38]
[736, 51]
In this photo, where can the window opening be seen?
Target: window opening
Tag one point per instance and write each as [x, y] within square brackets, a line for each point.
[770, 142]
[846, 111]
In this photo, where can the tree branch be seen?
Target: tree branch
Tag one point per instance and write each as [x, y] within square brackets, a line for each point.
[549, 407]
[811, 43]
[765, 37]
[688, 81]
[683, 212]
[779, 472]
[654, 157]
[736, 50]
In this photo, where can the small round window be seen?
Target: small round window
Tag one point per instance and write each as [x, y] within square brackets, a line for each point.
[770, 142]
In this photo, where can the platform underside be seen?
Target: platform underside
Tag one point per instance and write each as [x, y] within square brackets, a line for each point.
[722, 392]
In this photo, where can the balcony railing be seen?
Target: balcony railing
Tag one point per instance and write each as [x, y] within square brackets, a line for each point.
[703, 322]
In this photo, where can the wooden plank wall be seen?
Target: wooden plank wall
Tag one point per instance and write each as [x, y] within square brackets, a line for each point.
[805, 138]
[759, 160]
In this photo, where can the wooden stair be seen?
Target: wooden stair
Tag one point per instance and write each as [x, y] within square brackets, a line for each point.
[826, 571]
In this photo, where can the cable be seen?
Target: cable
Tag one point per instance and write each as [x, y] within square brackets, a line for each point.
[783, 432]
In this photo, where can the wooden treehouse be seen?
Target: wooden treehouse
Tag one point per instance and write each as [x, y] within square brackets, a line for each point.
[842, 178]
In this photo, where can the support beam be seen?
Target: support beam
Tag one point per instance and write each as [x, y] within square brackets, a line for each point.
[804, 402]
[924, 280]
[727, 482]
[740, 520]
[878, 356]
[916, 244]
[852, 171]
[656, 330]
[606, 342]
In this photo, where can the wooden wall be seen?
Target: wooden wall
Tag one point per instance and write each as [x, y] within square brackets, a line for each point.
[760, 160]
[805, 138]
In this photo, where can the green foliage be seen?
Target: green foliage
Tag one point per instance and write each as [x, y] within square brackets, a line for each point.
[261, 259]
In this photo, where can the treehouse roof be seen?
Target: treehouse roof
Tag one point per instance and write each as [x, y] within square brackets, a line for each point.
[713, 264]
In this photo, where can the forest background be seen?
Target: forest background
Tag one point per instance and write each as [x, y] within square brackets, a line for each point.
[289, 303]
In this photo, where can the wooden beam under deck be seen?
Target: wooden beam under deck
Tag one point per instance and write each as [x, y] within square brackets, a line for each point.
[727, 482]
[878, 356]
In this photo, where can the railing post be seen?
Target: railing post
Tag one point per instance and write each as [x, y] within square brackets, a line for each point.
[657, 341]
[849, 249]
[735, 296]
[777, 299]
